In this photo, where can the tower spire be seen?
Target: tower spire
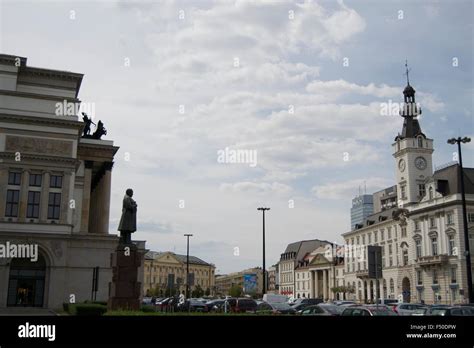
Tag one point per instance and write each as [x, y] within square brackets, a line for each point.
[407, 71]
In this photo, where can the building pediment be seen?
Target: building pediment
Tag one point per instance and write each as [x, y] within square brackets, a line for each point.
[319, 259]
[167, 258]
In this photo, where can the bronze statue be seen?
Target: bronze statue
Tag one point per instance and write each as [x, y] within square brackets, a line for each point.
[87, 127]
[128, 221]
[100, 131]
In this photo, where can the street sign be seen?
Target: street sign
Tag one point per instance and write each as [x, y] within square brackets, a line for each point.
[374, 259]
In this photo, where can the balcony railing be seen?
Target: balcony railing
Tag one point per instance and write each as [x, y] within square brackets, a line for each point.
[362, 273]
[432, 260]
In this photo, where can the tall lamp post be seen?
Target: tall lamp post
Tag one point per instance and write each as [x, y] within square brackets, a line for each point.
[467, 253]
[264, 290]
[187, 265]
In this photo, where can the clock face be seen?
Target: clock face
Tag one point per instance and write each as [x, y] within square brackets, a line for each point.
[401, 165]
[420, 163]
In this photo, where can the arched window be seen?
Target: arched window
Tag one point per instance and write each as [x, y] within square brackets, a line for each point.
[452, 244]
[384, 288]
[420, 142]
[392, 287]
[431, 192]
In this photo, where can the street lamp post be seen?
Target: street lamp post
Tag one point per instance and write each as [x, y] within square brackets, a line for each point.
[263, 265]
[467, 253]
[187, 265]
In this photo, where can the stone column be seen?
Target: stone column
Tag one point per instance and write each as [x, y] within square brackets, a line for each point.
[325, 285]
[3, 189]
[44, 199]
[316, 284]
[25, 177]
[86, 196]
[106, 183]
[311, 284]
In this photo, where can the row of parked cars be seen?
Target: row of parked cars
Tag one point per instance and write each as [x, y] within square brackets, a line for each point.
[306, 306]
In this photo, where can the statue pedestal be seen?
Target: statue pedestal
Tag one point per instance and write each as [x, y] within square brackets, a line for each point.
[124, 290]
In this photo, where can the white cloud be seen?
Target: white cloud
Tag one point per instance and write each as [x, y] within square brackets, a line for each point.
[346, 190]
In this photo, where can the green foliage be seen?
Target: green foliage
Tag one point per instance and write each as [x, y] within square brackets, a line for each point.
[148, 308]
[90, 309]
[197, 292]
[235, 291]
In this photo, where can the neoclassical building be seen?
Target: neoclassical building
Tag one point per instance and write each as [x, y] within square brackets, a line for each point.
[54, 191]
[165, 272]
[422, 237]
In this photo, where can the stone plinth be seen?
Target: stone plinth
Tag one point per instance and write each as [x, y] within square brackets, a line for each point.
[124, 290]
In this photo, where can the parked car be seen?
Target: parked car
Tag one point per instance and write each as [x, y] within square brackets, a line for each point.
[147, 301]
[388, 301]
[241, 305]
[372, 310]
[407, 308]
[320, 309]
[344, 302]
[275, 308]
[332, 308]
[213, 305]
[453, 311]
[306, 302]
[192, 305]
[275, 298]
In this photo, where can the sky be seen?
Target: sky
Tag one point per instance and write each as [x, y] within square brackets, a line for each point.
[297, 84]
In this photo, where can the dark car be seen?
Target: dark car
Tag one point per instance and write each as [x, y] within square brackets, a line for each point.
[305, 302]
[192, 305]
[213, 305]
[241, 305]
[275, 308]
[453, 311]
[368, 311]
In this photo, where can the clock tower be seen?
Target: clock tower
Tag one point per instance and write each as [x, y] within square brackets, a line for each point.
[412, 152]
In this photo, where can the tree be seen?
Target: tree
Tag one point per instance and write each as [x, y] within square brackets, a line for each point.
[235, 291]
[208, 292]
[197, 292]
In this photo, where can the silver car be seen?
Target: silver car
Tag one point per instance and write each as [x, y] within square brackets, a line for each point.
[407, 308]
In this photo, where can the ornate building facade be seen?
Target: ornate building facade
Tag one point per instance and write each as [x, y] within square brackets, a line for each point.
[422, 237]
[54, 191]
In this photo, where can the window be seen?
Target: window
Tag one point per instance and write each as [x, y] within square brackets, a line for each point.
[404, 232]
[14, 178]
[369, 238]
[54, 205]
[390, 249]
[452, 245]
[375, 236]
[420, 142]
[13, 197]
[470, 217]
[392, 286]
[453, 275]
[419, 277]
[389, 233]
[32, 209]
[417, 225]
[382, 235]
[449, 218]
[434, 246]
[405, 257]
[35, 179]
[403, 191]
[435, 276]
[421, 190]
[432, 222]
[418, 248]
[56, 181]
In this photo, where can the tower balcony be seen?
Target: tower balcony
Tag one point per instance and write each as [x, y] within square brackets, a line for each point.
[432, 260]
[362, 273]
